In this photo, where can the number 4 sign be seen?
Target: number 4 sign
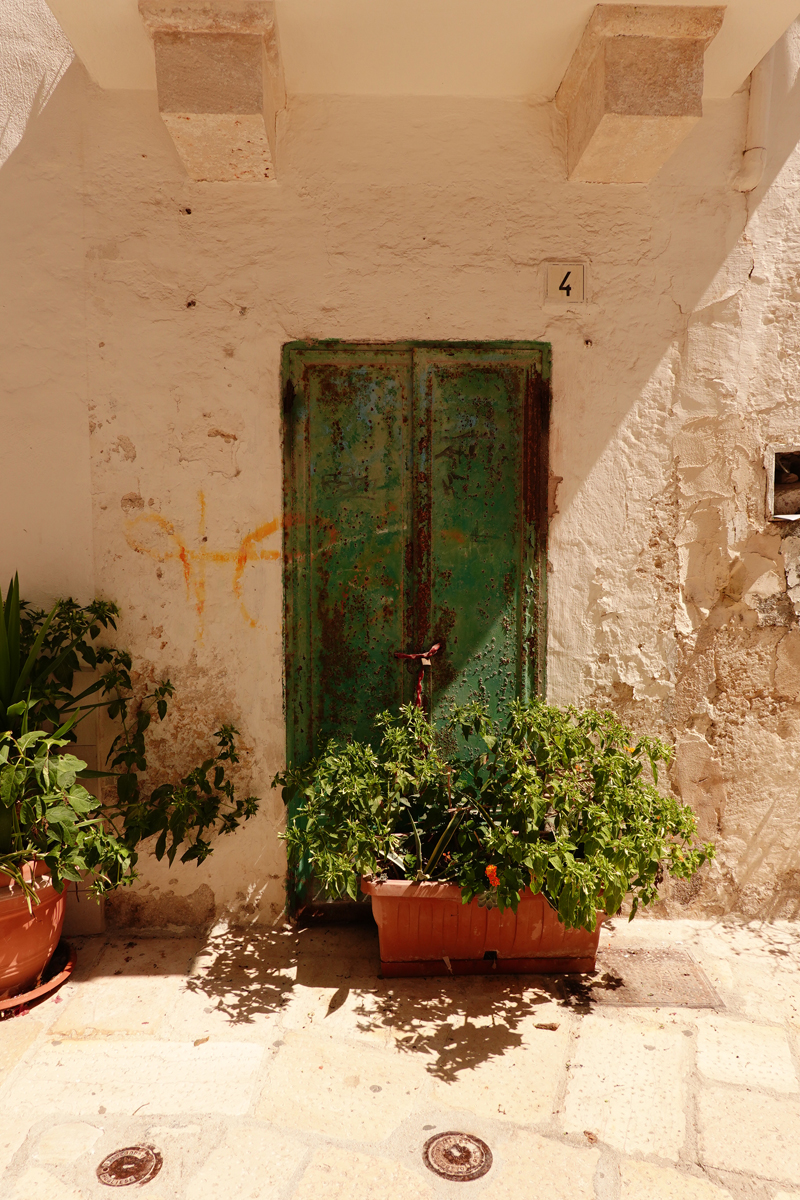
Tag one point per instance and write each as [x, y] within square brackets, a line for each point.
[565, 283]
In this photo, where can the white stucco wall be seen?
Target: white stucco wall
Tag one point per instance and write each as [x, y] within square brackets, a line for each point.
[141, 345]
[43, 393]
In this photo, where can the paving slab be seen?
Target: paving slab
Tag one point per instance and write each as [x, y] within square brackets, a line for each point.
[233, 1018]
[13, 1131]
[352, 1010]
[530, 1167]
[237, 987]
[16, 1035]
[744, 1130]
[627, 1085]
[739, 1052]
[338, 1174]
[461, 1023]
[252, 1163]
[132, 988]
[341, 1089]
[516, 1082]
[337, 942]
[38, 1182]
[88, 950]
[64, 1142]
[644, 1181]
[316, 971]
[124, 1076]
[760, 987]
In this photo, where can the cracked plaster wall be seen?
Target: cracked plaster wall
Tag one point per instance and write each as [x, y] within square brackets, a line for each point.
[142, 325]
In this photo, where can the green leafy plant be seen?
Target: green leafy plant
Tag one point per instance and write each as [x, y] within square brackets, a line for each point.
[559, 800]
[47, 816]
[177, 814]
[17, 658]
[63, 642]
[41, 655]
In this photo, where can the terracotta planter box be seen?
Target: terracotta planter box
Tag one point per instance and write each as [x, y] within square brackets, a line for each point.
[27, 939]
[424, 929]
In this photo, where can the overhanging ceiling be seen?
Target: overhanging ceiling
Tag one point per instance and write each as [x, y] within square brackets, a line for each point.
[481, 48]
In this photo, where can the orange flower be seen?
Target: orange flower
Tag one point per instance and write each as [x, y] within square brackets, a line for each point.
[491, 875]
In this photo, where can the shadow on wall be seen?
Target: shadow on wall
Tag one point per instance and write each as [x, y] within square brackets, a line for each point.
[696, 223]
[784, 127]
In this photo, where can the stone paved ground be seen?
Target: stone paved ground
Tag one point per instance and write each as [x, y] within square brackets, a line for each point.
[279, 1067]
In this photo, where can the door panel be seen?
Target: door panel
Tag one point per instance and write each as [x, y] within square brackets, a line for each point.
[472, 407]
[346, 535]
[415, 512]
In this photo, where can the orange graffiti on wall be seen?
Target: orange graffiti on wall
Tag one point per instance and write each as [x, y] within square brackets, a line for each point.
[169, 544]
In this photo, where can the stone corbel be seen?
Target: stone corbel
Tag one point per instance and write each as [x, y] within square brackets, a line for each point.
[634, 89]
[220, 83]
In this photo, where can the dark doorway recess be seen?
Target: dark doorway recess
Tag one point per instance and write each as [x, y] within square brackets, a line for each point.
[415, 512]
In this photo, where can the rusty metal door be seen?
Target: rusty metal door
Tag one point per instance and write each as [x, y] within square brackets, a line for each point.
[415, 513]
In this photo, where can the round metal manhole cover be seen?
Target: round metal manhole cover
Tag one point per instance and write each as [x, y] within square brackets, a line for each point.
[134, 1164]
[458, 1157]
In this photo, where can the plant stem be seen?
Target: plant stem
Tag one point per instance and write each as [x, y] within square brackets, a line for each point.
[420, 874]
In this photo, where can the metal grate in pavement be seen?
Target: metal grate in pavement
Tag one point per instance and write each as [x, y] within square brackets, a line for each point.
[132, 1165]
[646, 978]
[459, 1157]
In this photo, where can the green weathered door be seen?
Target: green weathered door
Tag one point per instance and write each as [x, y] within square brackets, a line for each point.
[415, 512]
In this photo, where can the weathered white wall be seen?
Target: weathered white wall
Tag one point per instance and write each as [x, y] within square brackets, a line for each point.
[153, 333]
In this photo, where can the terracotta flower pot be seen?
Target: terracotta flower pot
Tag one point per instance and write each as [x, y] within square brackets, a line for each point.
[27, 939]
[425, 929]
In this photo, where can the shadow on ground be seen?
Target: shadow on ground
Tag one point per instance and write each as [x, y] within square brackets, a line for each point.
[454, 1024]
[245, 974]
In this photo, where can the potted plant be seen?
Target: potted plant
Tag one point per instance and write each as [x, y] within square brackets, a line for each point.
[52, 829]
[50, 832]
[491, 844]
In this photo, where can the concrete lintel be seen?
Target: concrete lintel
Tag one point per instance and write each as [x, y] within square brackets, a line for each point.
[633, 89]
[220, 83]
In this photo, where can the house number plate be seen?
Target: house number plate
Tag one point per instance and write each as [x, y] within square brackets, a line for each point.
[566, 283]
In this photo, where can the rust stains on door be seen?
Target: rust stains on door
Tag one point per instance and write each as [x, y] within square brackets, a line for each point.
[415, 512]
